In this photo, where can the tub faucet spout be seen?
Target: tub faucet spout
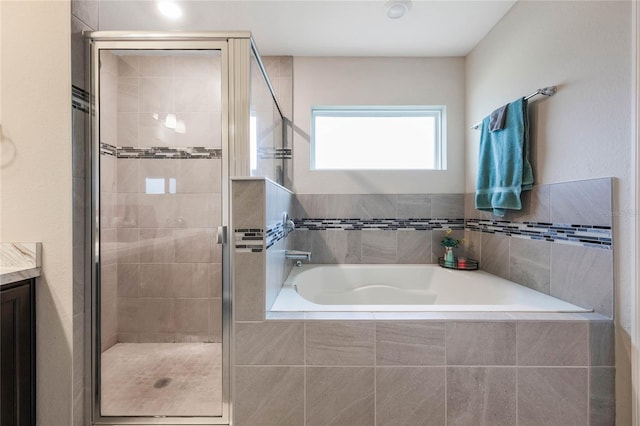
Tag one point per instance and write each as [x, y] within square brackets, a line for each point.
[298, 255]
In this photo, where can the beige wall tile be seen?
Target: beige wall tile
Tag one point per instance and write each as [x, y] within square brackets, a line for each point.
[156, 66]
[194, 245]
[128, 245]
[197, 94]
[126, 211]
[483, 396]
[340, 396]
[269, 396]
[249, 287]
[157, 245]
[553, 396]
[128, 279]
[158, 210]
[602, 404]
[248, 204]
[481, 343]
[156, 94]
[127, 175]
[411, 396]
[270, 343]
[340, 343]
[128, 66]
[410, 343]
[192, 315]
[201, 129]
[128, 95]
[127, 129]
[199, 176]
[153, 132]
[199, 210]
[553, 343]
[155, 280]
[156, 315]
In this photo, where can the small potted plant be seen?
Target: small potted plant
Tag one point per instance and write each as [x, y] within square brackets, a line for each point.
[449, 244]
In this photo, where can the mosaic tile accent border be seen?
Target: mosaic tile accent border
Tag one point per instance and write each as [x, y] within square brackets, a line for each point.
[248, 240]
[256, 240]
[196, 152]
[80, 99]
[107, 149]
[275, 153]
[579, 235]
[379, 224]
[274, 234]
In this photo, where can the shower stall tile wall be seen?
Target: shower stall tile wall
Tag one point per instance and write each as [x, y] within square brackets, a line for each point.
[108, 212]
[158, 259]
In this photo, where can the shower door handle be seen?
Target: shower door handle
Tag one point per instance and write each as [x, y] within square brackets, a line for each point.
[221, 235]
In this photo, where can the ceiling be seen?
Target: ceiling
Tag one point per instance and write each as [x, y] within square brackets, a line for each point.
[324, 27]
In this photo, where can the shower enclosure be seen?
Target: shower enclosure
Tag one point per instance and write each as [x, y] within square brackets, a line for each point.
[175, 116]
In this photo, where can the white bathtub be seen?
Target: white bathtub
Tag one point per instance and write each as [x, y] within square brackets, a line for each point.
[394, 288]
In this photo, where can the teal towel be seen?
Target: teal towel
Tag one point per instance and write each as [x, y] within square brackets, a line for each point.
[504, 170]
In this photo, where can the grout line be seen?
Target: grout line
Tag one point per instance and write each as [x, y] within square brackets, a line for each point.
[446, 378]
[412, 365]
[517, 367]
[589, 369]
[304, 363]
[375, 369]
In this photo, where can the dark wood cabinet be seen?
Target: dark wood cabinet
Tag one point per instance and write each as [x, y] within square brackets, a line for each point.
[17, 354]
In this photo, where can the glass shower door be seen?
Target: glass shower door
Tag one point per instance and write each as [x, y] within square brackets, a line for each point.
[160, 321]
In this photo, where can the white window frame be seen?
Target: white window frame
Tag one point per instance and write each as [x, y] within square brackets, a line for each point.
[436, 111]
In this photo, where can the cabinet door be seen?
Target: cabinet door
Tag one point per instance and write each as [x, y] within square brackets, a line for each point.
[16, 346]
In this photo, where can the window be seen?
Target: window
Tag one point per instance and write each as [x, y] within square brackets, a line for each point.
[377, 138]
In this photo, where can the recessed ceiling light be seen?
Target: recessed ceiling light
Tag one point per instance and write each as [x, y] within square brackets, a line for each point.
[396, 9]
[170, 9]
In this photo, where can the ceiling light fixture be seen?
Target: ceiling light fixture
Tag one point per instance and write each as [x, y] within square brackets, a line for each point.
[396, 9]
[170, 9]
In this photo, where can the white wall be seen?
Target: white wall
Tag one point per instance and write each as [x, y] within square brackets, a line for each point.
[378, 81]
[584, 131]
[35, 85]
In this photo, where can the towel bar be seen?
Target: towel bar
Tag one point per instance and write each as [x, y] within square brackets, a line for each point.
[546, 91]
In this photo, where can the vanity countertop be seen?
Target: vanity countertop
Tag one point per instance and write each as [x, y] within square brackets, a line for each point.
[19, 261]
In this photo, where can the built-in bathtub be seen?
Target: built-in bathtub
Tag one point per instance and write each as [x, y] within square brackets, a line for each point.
[407, 288]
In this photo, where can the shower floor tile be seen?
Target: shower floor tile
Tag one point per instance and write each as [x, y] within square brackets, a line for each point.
[162, 379]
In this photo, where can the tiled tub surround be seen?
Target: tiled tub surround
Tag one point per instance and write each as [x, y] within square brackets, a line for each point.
[404, 368]
[259, 244]
[559, 244]
[438, 369]
[577, 269]
[255, 240]
[376, 228]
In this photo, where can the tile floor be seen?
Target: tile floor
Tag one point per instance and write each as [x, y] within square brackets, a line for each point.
[162, 379]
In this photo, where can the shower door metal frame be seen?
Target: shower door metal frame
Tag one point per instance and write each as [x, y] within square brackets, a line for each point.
[108, 40]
